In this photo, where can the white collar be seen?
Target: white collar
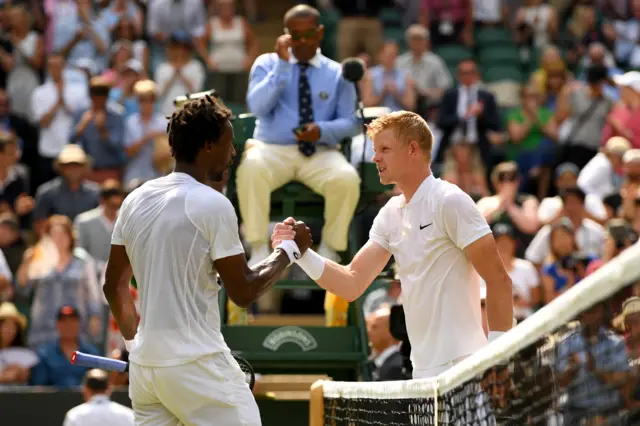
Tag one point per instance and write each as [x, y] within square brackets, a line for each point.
[98, 399]
[385, 355]
[315, 61]
[422, 189]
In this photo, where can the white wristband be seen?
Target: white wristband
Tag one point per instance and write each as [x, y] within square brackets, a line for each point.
[291, 248]
[493, 335]
[312, 264]
[128, 344]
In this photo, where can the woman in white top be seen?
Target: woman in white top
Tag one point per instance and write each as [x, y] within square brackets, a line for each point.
[229, 48]
[538, 22]
[24, 65]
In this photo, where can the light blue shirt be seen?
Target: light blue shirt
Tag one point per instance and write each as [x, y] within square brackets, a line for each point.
[141, 166]
[586, 392]
[273, 99]
[379, 76]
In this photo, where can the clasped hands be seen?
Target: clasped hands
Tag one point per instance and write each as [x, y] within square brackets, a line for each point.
[290, 229]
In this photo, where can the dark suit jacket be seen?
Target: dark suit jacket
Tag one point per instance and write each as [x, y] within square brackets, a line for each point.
[391, 369]
[448, 122]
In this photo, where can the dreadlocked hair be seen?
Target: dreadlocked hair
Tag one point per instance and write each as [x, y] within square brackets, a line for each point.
[199, 121]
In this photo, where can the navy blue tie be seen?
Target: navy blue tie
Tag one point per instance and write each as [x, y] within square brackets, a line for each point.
[305, 109]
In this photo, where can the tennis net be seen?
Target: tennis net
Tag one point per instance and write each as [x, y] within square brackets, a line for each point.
[568, 364]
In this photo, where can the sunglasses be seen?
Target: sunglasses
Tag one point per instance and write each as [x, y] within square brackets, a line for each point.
[507, 177]
[299, 35]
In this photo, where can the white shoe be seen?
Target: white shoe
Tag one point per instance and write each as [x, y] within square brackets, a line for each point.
[329, 253]
[258, 255]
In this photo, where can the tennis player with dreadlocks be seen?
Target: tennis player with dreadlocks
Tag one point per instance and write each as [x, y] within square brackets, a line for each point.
[174, 233]
[436, 234]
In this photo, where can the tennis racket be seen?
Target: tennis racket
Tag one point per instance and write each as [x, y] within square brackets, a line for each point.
[94, 361]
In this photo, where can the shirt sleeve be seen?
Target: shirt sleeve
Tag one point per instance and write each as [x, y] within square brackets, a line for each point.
[379, 232]
[463, 221]
[220, 228]
[118, 234]
[539, 248]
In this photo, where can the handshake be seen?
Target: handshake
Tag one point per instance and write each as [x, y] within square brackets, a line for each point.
[294, 238]
[294, 231]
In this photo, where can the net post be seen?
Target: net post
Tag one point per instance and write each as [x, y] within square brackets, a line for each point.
[435, 402]
[316, 403]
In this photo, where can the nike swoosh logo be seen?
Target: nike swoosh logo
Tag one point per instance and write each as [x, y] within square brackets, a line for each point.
[424, 226]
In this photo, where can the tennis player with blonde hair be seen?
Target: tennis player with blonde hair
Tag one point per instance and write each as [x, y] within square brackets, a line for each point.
[436, 234]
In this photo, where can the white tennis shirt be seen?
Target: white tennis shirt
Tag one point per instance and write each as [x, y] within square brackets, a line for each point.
[173, 228]
[99, 411]
[427, 236]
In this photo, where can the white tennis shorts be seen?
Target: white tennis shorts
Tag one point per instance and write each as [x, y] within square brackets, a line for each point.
[209, 391]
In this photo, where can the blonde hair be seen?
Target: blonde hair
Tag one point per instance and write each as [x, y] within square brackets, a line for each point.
[406, 126]
[145, 88]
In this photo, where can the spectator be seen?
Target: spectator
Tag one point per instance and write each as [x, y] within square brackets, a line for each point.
[141, 132]
[99, 130]
[14, 181]
[509, 206]
[427, 70]
[587, 106]
[589, 235]
[70, 194]
[524, 276]
[360, 26]
[131, 73]
[385, 350]
[79, 34]
[15, 359]
[98, 410]
[550, 63]
[620, 236]
[71, 280]
[598, 56]
[463, 167]
[323, 113]
[448, 21]
[532, 131]
[470, 111]
[552, 208]
[119, 12]
[180, 73]
[631, 186]
[563, 268]
[167, 17]
[12, 242]
[232, 50]
[588, 366]
[489, 13]
[385, 85]
[54, 368]
[25, 65]
[120, 53]
[53, 105]
[602, 175]
[126, 33]
[624, 118]
[93, 228]
[536, 24]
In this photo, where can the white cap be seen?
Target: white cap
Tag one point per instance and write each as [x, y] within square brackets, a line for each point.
[630, 79]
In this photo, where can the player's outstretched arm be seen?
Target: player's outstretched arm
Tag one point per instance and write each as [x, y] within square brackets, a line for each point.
[116, 290]
[244, 285]
[484, 256]
[348, 282]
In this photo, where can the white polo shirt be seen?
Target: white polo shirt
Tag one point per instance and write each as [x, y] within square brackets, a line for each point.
[427, 236]
[173, 228]
[99, 411]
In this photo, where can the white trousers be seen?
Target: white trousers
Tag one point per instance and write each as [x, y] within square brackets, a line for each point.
[209, 391]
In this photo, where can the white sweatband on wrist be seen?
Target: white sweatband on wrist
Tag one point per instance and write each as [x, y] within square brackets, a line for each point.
[493, 335]
[291, 248]
[128, 344]
[312, 264]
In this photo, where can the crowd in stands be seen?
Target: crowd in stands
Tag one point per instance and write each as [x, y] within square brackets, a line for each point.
[547, 141]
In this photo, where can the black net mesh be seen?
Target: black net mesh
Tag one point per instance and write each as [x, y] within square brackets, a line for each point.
[587, 372]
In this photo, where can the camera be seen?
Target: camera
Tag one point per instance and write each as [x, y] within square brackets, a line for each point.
[573, 260]
[398, 329]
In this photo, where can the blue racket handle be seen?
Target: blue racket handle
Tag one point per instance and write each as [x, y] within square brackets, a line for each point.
[95, 361]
